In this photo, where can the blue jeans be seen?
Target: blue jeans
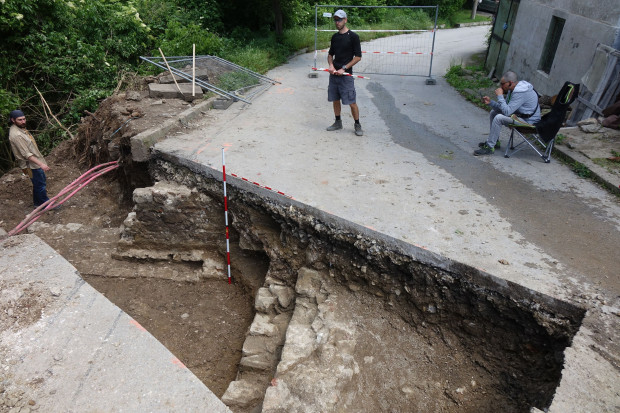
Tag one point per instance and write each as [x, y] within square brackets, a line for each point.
[39, 187]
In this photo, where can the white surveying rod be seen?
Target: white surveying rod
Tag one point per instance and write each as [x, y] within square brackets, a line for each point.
[226, 215]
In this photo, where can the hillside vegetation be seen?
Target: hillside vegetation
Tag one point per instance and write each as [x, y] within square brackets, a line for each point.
[70, 55]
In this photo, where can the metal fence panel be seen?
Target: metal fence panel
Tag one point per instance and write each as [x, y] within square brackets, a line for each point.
[216, 75]
[398, 50]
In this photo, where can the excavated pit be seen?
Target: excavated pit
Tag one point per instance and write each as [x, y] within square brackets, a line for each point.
[347, 319]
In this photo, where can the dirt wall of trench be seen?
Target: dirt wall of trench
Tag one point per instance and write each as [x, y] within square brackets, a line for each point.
[347, 318]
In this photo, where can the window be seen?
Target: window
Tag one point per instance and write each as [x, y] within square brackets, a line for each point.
[551, 43]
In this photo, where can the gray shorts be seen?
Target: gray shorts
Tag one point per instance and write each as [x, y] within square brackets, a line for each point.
[341, 88]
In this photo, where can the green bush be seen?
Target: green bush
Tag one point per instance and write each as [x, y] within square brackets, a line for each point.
[71, 51]
[232, 81]
[74, 51]
[446, 7]
[297, 13]
[87, 100]
[178, 40]
[406, 19]
[8, 102]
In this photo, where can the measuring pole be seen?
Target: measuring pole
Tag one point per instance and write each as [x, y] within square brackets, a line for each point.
[194, 70]
[226, 215]
[170, 70]
[320, 69]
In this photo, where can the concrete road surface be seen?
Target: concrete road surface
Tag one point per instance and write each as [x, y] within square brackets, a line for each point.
[412, 176]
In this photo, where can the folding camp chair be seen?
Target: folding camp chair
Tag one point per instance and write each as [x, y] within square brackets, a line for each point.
[542, 134]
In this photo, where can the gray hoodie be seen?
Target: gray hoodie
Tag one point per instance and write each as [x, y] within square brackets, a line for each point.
[523, 100]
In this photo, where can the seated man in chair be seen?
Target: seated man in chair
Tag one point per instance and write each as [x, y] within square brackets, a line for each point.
[514, 97]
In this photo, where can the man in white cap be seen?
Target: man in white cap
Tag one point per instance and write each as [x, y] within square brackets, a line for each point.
[344, 52]
[28, 156]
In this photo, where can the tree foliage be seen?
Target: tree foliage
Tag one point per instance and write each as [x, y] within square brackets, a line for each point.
[74, 52]
[70, 51]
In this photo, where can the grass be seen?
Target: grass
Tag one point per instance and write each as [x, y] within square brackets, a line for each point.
[264, 53]
[303, 37]
[584, 172]
[236, 80]
[256, 58]
[471, 82]
[581, 170]
[559, 138]
[613, 166]
[464, 16]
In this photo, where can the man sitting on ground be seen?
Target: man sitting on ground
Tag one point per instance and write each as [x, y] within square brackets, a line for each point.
[520, 99]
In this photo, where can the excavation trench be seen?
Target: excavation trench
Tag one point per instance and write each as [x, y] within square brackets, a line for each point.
[344, 318]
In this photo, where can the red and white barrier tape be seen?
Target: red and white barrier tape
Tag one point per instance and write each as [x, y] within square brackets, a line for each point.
[394, 53]
[416, 53]
[385, 31]
[226, 215]
[261, 186]
[344, 74]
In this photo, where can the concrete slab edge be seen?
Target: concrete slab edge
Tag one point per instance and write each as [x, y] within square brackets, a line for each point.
[459, 25]
[142, 143]
[599, 174]
[475, 277]
[84, 353]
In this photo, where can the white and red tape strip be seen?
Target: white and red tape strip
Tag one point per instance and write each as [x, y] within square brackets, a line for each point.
[344, 74]
[261, 186]
[394, 53]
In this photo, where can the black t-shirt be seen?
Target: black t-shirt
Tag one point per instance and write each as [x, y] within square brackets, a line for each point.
[344, 47]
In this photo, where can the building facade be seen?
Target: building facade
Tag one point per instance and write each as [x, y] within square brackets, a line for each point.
[549, 42]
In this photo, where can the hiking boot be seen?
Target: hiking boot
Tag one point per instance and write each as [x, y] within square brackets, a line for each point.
[358, 129]
[498, 144]
[337, 125]
[485, 150]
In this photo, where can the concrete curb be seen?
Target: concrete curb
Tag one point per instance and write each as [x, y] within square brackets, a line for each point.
[599, 174]
[459, 25]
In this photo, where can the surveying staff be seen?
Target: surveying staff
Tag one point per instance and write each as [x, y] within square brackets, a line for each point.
[28, 156]
[344, 52]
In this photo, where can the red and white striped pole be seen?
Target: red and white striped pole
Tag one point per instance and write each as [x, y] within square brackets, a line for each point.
[320, 69]
[226, 215]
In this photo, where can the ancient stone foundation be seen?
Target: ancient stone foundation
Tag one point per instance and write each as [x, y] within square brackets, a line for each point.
[348, 319]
